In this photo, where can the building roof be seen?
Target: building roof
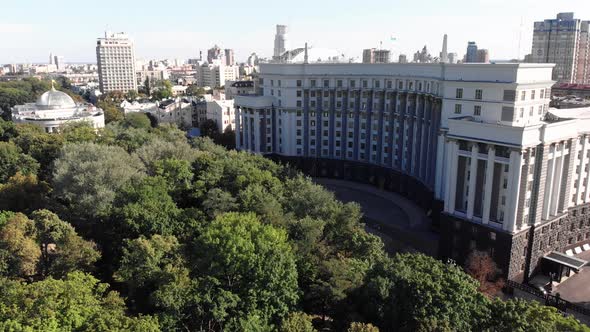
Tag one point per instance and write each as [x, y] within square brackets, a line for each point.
[565, 260]
[54, 99]
[243, 84]
[571, 113]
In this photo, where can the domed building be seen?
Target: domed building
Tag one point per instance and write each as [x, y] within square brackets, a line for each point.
[55, 108]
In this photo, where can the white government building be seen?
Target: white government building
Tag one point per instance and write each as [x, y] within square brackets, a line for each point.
[54, 108]
[476, 144]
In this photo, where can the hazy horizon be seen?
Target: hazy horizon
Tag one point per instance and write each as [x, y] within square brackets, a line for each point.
[181, 31]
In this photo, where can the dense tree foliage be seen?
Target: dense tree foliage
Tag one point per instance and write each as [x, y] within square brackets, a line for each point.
[199, 238]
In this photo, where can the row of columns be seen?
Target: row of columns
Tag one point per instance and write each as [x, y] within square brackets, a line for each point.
[512, 190]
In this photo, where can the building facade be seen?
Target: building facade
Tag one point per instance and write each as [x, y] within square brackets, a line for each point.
[564, 41]
[373, 55]
[475, 144]
[281, 44]
[115, 56]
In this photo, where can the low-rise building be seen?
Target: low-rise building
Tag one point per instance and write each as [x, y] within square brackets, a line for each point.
[55, 108]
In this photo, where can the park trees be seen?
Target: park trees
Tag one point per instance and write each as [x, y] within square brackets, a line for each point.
[88, 176]
[77, 303]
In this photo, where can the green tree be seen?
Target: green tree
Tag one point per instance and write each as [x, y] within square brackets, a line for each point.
[297, 322]
[522, 315]
[79, 132]
[62, 249]
[7, 130]
[163, 90]
[112, 112]
[42, 146]
[13, 161]
[88, 176]
[362, 327]
[404, 292]
[193, 90]
[251, 261]
[23, 193]
[137, 120]
[146, 208]
[219, 202]
[19, 251]
[77, 303]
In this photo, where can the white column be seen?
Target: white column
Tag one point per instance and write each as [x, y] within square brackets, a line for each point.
[442, 155]
[557, 182]
[472, 181]
[257, 131]
[549, 186]
[487, 195]
[579, 176]
[451, 186]
[514, 175]
[582, 166]
[237, 115]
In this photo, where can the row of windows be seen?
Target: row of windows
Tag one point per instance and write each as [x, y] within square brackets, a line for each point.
[389, 84]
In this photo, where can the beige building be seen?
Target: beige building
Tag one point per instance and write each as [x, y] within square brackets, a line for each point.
[373, 55]
[564, 41]
[115, 56]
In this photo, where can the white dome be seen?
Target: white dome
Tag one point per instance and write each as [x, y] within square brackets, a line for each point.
[54, 99]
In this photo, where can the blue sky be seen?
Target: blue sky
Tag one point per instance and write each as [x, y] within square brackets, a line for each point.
[30, 29]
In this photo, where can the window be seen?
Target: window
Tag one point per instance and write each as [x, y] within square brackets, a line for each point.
[532, 111]
[533, 95]
[299, 103]
[523, 95]
[298, 83]
[352, 84]
[542, 93]
[326, 83]
[400, 85]
[477, 110]
[365, 83]
[478, 94]
[521, 114]
[298, 93]
[509, 95]
[339, 83]
[312, 82]
[458, 108]
[459, 94]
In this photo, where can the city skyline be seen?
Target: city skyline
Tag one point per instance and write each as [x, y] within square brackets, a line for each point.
[73, 35]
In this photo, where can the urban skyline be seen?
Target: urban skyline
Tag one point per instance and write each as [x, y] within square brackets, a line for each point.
[376, 22]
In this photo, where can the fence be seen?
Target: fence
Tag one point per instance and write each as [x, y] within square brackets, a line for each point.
[550, 300]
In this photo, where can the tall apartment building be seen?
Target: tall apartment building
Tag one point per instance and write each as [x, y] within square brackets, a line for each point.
[482, 56]
[564, 41]
[471, 55]
[214, 53]
[115, 56]
[281, 44]
[229, 57]
[476, 145]
[373, 55]
[59, 62]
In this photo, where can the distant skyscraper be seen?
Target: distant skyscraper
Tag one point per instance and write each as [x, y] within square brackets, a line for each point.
[402, 58]
[214, 53]
[115, 56]
[471, 55]
[372, 55]
[444, 57]
[564, 41]
[281, 42]
[50, 58]
[483, 56]
[229, 57]
[453, 58]
[58, 60]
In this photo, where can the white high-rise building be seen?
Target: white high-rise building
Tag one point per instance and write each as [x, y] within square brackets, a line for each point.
[444, 55]
[59, 63]
[281, 42]
[476, 145]
[115, 56]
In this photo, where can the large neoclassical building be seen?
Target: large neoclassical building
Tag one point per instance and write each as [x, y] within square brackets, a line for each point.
[475, 144]
[55, 108]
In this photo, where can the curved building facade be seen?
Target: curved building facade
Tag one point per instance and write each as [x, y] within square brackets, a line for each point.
[55, 108]
[474, 143]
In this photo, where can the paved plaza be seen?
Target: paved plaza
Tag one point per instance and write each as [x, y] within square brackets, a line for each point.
[401, 224]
